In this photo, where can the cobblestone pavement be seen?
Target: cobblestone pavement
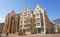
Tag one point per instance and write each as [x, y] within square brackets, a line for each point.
[34, 35]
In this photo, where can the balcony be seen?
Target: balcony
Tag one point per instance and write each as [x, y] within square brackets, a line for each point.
[37, 26]
[27, 26]
[28, 23]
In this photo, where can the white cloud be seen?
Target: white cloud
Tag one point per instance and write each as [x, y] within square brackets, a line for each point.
[2, 19]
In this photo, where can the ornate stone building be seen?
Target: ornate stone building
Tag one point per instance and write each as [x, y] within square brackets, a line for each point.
[11, 23]
[42, 22]
[28, 22]
[26, 25]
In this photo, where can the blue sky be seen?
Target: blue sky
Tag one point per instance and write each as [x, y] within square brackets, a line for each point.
[52, 7]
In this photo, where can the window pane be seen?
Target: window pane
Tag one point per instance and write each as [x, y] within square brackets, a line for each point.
[28, 21]
[38, 24]
[21, 26]
[28, 14]
[38, 19]
[41, 14]
[25, 15]
[25, 21]
[27, 25]
[21, 21]
[42, 24]
[37, 14]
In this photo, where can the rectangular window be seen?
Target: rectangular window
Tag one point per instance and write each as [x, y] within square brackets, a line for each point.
[21, 21]
[41, 19]
[38, 24]
[28, 14]
[24, 25]
[28, 20]
[35, 25]
[41, 14]
[21, 26]
[27, 25]
[28, 30]
[38, 19]
[39, 30]
[37, 14]
[25, 15]
[25, 21]
[42, 24]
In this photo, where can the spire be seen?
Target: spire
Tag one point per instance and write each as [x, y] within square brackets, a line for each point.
[12, 11]
[37, 6]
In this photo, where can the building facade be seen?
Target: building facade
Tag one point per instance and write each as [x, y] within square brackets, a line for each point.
[42, 22]
[11, 23]
[26, 25]
[28, 22]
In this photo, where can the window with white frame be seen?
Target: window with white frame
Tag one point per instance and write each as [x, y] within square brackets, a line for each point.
[37, 14]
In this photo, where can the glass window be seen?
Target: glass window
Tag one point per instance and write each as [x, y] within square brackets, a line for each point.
[42, 24]
[24, 25]
[27, 25]
[21, 26]
[37, 14]
[41, 14]
[41, 19]
[25, 21]
[28, 14]
[28, 11]
[38, 18]
[42, 29]
[38, 24]
[39, 30]
[35, 24]
[25, 15]
[28, 20]
[28, 30]
[21, 21]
